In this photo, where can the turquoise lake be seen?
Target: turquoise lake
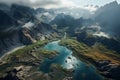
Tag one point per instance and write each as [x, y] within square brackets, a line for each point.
[83, 71]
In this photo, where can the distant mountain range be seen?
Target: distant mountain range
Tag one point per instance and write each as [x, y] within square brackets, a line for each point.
[106, 18]
[13, 19]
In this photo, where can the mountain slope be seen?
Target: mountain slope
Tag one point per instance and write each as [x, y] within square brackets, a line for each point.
[91, 39]
[5, 20]
[20, 27]
[24, 64]
[108, 18]
[105, 60]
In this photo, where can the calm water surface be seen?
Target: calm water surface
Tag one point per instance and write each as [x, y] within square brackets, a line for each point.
[66, 60]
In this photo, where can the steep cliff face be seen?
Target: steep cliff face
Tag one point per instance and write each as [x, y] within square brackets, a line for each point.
[9, 42]
[108, 17]
[5, 20]
[22, 14]
[39, 30]
[20, 27]
[25, 36]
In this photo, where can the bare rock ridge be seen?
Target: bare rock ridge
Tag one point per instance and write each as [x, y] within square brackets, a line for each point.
[13, 28]
[108, 69]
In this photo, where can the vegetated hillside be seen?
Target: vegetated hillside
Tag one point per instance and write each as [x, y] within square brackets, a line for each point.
[24, 64]
[105, 60]
[90, 39]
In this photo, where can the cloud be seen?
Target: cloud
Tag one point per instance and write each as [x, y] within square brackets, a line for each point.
[33, 3]
[101, 34]
[46, 3]
[50, 3]
[42, 3]
[56, 3]
[91, 8]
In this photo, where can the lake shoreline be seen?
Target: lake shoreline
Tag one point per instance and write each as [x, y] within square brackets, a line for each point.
[11, 51]
[104, 67]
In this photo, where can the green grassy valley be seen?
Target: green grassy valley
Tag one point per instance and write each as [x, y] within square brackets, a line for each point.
[97, 52]
[32, 56]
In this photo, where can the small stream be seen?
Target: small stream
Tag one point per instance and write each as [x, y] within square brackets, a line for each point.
[83, 71]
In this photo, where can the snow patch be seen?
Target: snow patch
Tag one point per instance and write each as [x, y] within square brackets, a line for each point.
[28, 25]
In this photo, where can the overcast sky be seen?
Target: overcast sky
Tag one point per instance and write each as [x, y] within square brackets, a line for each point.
[58, 3]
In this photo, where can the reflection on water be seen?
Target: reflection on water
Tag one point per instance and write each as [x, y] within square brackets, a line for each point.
[65, 59]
